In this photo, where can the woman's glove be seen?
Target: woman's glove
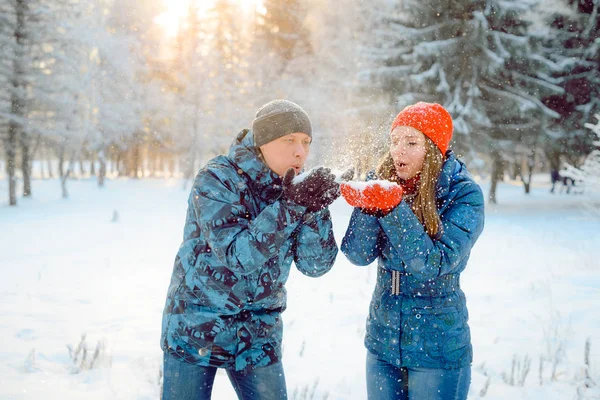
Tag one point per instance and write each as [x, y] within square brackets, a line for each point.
[372, 196]
[315, 189]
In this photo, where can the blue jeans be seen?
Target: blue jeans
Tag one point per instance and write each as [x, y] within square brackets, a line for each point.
[388, 382]
[184, 381]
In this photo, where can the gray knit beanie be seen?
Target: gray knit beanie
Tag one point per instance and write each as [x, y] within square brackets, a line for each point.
[278, 118]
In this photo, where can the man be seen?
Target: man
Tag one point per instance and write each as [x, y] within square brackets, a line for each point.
[247, 220]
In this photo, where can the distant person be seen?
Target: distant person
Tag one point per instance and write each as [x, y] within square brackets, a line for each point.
[247, 220]
[417, 337]
[554, 177]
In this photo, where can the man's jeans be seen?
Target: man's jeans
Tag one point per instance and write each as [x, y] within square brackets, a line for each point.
[183, 381]
[388, 382]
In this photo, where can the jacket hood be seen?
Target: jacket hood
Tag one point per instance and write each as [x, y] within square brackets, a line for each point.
[246, 158]
[451, 170]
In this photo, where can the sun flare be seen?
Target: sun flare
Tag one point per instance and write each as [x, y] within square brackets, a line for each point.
[176, 11]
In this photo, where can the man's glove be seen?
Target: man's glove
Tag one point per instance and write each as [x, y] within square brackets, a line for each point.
[372, 196]
[315, 189]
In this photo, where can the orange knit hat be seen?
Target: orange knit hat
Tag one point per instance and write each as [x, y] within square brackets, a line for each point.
[430, 118]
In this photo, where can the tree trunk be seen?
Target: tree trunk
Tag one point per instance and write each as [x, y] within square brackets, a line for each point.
[127, 163]
[11, 159]
[102, 169]
[497, 172]
[63, 185]
[49, 163]
[42, 168]
[123, 164]
[159, 165]
[63, 182]
[61, 161]
[93, 164]
[65, 178]
[18, 97]
[492, 194]
[152, 163]
[135, 162]
[25, 164]
[171, 166]
[553, 160]
[81, 167]
[527, 186]
[516, 170]
[530, 165]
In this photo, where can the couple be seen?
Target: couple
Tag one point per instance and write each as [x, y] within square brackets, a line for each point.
[248, 218]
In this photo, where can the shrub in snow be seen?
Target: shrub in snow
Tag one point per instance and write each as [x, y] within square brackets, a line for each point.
[589, 382]
[82, 357]
[29, 365]
[518, 372]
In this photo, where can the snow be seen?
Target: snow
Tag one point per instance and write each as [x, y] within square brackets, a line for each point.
[362, 185]
[533, 283]
[302, 176]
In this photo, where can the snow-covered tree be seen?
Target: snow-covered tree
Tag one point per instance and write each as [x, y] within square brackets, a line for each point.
[476, 59]
[67, 120]
[47, 99]
[569, 32]
[20, 30]
[121, 85]
[8, 134]
[32, 34]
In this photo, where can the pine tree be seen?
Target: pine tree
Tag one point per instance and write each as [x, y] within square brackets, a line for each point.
[473, 57]
[570, 35]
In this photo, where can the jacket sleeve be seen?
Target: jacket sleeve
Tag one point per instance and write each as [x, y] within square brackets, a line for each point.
[315, 248]
[361, 241]
[241, 243]
[426, 258]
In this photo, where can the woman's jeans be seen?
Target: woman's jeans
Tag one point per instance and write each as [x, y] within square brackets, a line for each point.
[184, 381]
[388, 382]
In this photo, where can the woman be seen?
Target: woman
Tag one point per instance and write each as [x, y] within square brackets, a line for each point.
[418, 340]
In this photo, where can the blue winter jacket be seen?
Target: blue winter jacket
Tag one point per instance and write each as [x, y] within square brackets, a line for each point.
[227, 292]
[418, 314]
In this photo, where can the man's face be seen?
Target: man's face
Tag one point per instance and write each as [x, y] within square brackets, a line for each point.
[289, 151]
[408, 151]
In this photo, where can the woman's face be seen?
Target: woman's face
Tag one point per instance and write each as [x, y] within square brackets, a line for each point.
[408, 151]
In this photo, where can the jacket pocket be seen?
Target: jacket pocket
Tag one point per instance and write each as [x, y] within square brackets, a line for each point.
[433, 319]
[435, 337]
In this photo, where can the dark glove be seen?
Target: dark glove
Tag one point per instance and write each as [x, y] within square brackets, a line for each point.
[315, 190]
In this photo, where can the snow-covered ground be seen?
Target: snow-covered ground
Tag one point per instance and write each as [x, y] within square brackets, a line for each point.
[68, 269]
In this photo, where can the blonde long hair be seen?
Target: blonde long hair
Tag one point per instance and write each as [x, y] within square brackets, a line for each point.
[424, 205]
